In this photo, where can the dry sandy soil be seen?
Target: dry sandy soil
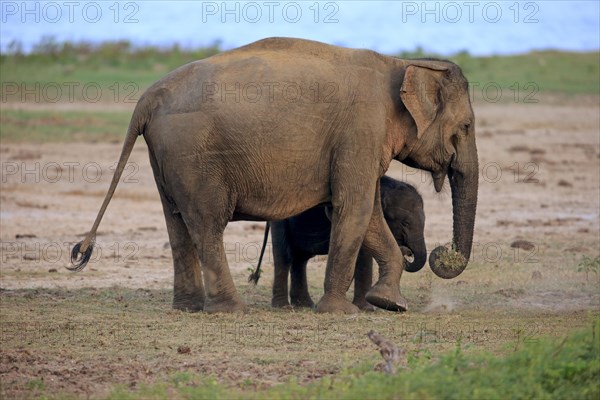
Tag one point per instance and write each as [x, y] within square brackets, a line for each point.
[539, 182]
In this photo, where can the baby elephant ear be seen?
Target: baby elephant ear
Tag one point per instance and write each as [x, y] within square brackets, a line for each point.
[420, 93]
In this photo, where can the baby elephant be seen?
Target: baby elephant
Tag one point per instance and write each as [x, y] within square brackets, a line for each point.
[299, 238]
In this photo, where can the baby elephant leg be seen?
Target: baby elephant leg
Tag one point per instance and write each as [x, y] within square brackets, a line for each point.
[363, 280]
[299, 295]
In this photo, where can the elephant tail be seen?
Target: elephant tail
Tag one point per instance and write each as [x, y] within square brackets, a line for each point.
[255, 275]
[82, 251]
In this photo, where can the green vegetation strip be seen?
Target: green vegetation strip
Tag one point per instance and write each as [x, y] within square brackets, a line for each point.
[62, 126]
[116, 74]
[113, 65]
[546, 369]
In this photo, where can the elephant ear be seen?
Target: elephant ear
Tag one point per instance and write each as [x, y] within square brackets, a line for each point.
[420, 95]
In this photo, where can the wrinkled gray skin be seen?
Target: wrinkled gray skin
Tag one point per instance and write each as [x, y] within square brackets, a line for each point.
[298, 239]
[271, 129]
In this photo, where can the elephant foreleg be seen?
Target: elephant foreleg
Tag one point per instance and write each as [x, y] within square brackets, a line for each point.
[381, 244]
[349, 220]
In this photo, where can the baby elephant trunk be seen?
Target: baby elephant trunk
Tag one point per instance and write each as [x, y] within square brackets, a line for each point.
[415, 262]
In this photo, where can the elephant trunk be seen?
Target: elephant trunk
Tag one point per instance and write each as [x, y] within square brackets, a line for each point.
[463, 178]
[419, 251]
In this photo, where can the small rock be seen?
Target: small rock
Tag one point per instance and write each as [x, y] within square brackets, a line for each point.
[255, 227]
[523, 244]
[184, 350]
[25, 236]
[564, 183]
[577, 249]
[510, 292]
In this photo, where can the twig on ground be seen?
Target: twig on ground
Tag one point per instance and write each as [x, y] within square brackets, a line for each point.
[388, 350]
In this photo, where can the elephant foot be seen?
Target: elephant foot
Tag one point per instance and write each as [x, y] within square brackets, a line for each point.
[386, 297]
[302, 302]
[188, 303]
[188, 307]
[363, 305]
[280, 302]
[338, 305]
[227, 305]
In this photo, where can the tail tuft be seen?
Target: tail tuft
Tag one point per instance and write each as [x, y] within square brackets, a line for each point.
[80, 259]
[254, 276]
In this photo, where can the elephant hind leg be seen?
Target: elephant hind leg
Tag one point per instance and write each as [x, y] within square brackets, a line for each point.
[206, 229]
[188, 290]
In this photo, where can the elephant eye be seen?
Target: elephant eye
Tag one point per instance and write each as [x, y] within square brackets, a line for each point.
[465, 127]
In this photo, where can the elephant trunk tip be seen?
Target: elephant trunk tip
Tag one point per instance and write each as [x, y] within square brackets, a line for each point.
[447, 264]
[79, 257]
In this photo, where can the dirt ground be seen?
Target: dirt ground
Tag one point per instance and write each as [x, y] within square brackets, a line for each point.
[539, 183]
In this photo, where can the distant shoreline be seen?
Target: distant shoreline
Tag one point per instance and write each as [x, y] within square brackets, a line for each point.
[50, 45]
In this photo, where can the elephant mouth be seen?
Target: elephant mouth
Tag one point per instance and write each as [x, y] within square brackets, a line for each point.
[409, 258]
[440, 176]
[438, 180]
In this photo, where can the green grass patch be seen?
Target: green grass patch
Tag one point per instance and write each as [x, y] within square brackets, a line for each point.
[105, 64]
[544, 71]
[60, 126]
[549, 369]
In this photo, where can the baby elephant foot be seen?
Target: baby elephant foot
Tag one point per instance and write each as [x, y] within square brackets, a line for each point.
[188, 303]
[338, 305]
[280, 302]
[364, 305]
[224, 305]
[386, 297]
[302, 302]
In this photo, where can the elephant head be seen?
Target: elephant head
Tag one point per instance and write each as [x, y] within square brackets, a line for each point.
[435, 96]
[405, 215]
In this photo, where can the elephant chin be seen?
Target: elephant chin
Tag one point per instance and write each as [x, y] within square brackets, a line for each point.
[445, 270]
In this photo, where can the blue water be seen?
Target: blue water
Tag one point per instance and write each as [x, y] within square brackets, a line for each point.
[481, 27]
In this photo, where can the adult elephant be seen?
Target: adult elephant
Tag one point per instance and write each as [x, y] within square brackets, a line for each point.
[224, 133]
